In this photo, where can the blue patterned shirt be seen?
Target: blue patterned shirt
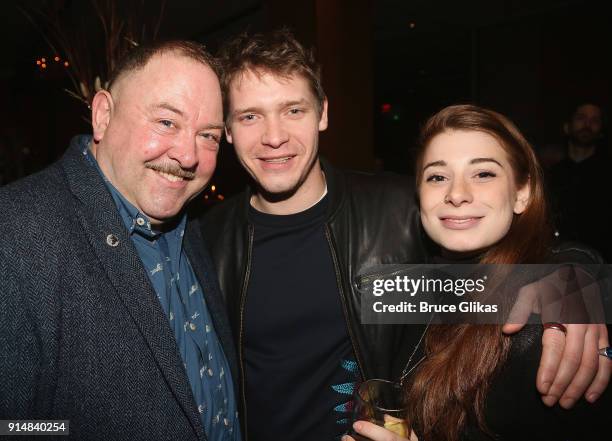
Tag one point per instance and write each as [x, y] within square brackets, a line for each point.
[183, 301]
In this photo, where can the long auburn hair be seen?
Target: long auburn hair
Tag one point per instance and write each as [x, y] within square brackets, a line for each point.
[450, 386]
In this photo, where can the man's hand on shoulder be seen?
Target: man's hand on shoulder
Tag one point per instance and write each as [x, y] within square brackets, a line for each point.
[570, 366]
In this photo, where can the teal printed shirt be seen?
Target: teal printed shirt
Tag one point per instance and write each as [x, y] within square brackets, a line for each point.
[184, 303]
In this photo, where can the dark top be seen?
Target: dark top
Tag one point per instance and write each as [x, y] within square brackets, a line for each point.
[300, 367]
[514, 409]
[360, 238]
[580, 200]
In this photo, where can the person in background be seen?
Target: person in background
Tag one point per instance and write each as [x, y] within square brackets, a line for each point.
[576, 181]
[481, 196]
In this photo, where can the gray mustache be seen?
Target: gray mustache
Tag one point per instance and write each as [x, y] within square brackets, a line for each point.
[172, 169]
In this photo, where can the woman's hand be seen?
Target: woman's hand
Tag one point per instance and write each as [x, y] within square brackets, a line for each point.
[376, 433]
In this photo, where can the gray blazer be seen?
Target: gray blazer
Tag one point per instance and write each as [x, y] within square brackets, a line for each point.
[82, 334]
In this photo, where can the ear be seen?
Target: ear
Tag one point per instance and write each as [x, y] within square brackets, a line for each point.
[523, 196]
[101, 111]
[566, 128]
[323, 120]
[228, 134]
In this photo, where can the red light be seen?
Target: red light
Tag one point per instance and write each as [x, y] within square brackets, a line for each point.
[385, 108]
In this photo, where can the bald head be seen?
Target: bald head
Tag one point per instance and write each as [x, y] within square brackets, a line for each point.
[138, 57]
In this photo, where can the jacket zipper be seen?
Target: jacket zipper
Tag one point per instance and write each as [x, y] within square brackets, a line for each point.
[243, 294]
[344, 301]
[369, 277]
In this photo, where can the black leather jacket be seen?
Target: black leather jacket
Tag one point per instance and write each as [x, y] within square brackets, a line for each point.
[372, 220]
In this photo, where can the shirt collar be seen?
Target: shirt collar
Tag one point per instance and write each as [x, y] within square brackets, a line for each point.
[134, 220]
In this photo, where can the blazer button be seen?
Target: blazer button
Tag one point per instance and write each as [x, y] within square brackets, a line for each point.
[112, 240]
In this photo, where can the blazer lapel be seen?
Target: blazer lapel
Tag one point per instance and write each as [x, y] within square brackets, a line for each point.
[118, 257]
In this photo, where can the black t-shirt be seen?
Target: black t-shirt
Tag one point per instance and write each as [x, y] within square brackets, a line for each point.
[300, 366]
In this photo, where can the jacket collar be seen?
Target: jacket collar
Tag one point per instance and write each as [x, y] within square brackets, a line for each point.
[336, 188]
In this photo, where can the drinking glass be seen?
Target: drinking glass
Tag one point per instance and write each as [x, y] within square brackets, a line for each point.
[381, 402]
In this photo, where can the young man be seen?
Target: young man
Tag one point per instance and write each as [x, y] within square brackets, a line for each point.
[111, 320]
[289, 252]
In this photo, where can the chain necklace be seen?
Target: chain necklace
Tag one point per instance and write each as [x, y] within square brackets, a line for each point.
[407, 371]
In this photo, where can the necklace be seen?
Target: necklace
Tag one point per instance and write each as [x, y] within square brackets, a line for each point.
[406, 370]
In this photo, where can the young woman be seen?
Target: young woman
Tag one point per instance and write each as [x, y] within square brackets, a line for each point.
[482, 200]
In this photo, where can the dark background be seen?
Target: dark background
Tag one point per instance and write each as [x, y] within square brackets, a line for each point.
[387, 66]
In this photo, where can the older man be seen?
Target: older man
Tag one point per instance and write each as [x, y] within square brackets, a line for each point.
[111, 314]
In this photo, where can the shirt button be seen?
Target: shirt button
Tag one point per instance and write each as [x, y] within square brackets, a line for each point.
[192, 326]
[226, 421]
[112, 240]
[140, 221]
[210, 372]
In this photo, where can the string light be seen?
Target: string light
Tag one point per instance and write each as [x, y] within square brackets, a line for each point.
[42, 62]
[212, 194]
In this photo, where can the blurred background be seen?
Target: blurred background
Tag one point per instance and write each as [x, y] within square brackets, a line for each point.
[387, 66]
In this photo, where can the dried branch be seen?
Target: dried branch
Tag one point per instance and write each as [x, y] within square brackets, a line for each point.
[91, 63]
